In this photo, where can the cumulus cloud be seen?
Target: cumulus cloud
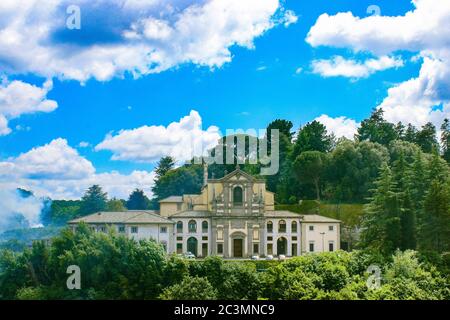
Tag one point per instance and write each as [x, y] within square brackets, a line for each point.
[181, 140]
[340, 126]
[18, 98]
[57, 170]
[339, 66]
[139, 37]
[424, 30]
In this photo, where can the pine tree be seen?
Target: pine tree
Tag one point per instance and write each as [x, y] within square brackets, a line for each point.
[94, 200]
[401, 175]
[434, 230]
[164, 165]
[445, 140]
[138, 201]
[381, 220]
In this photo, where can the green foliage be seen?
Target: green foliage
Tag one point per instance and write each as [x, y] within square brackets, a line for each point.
[62, 211]
[184, 180]
[377, 129]
[115, 205]
[191, 288]
[94, 200]
[138, 201]
[164, 165]
[309, 167]
[312, 137]
[445, 140]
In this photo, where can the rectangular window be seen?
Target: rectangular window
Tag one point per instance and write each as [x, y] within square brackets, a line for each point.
[331, 246]
[311, 247]
[269, 238]
[269, 248]
[294, 249]
[220, 234]
[294, 238]
[255, 248]
[179, 238]
[220, 248]
[205, 238]
[269, 227]
[330, 228]
[121, 229]
[163, 229]
[102, 229]
[134, 229]
[179, 248]
[311, 228]
[255, 234]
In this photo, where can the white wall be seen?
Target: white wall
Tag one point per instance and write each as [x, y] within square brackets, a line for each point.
[320, 241]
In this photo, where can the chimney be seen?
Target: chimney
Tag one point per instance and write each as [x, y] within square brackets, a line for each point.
[205, 174]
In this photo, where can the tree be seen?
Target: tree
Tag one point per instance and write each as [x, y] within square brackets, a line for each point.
[352, 169]
[410, 134]
[435, 223]
[191, 288]
[401, 176]
[377, 129]
[138, 201]
[381, 227]
[312, 137]
[115, 205]
[94, 200]
[183, 180]
[426, 138]
[164, 165]
[445, 140]
[309, 167]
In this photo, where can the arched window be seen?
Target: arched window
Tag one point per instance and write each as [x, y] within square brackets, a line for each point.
[282, 226]
[237, 196]
[205, 226]
[294, 226]
[269, 226]
[179, 227]
[192, 225]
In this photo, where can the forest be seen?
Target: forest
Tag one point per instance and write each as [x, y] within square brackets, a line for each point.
[390, 186]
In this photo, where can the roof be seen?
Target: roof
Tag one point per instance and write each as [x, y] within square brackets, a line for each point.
[131, 216]
[303, 217]
[172, 199]
[317, 218]
[193, 214]
[237, 171]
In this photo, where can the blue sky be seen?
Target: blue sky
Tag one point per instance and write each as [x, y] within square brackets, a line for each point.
[280, 75]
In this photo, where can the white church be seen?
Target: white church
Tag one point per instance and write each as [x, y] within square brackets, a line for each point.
[232, 217]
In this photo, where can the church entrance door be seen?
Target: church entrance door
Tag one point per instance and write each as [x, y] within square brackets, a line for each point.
[237, 248]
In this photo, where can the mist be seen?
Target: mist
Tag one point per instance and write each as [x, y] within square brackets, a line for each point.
[19, 210]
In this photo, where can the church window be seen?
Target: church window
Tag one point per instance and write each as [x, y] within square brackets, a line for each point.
[179, 227]
[237, 196]
[294, 226]
[205, 226]
[269, 226]
[282, 226]
[192, 225]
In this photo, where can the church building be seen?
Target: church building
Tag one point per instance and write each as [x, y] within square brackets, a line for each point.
[232, 217]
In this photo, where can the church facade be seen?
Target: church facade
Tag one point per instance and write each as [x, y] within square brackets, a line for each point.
[232, 217]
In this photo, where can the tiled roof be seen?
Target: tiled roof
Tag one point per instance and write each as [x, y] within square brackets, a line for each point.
[303, 217]
[172, 199]
[132, 216]
[193, 214]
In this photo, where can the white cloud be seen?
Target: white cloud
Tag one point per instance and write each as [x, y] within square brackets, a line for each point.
[58, 171]
[84, 144]
[142, 37]
[340, 126]
[18, 98]
[339, 66]
[424, 30]
[181, 140]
